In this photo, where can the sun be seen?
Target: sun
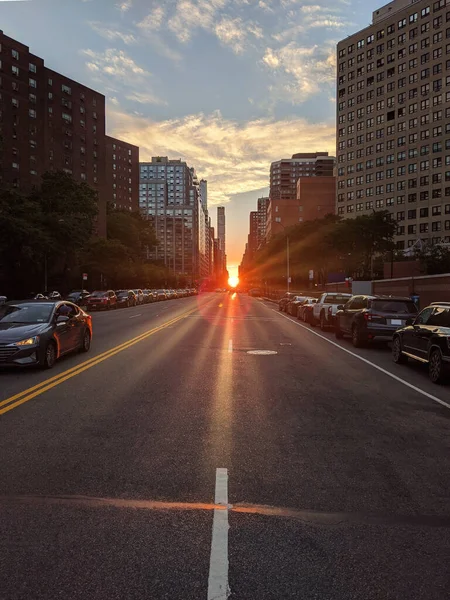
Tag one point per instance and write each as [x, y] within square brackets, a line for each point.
[233, 282]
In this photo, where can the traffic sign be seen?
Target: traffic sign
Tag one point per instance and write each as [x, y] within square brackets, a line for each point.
[85, 275]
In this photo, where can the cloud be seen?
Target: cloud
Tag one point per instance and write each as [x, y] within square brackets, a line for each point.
[191, 15]
[154, 20]
[302, 70]
[118, 72]
[112, 33]
[234, 157]
[231, 32]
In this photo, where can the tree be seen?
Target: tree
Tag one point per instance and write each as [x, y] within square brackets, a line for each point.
[435, 259]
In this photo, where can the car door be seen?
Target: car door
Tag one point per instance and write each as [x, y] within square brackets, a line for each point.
[77, 324]
[64, 332]
[345, 316]
[415, 339]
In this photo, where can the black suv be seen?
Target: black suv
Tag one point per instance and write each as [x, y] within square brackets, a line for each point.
[367, 317]
[427, 340]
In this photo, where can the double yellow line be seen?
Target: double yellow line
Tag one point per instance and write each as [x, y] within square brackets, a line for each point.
[48, 384]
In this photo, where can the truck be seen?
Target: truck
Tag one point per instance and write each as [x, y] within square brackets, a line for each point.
[324, 311]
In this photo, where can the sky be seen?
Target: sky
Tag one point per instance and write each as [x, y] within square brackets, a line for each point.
[226, 85]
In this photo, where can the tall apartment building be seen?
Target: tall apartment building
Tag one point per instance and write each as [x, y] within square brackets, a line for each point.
[283, 209]
[122, 174]
[253, 233]
[221, 234]
[168, 196]
[263, 204]
[393, 120]
[316, 197]
[48, 122]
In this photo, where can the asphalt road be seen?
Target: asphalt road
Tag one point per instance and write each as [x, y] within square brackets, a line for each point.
[182, 465]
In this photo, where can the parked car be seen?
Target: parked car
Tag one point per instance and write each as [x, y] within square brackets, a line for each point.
[38, 332]
[3, 300]
[293, 304]
[305, 308]
[78, 297]
[426, 340]
[255, 293]
[99, 300]
[284, 300]
[324, 311]
[149, 296]
[161, 295]
[365, 318]
[140, 296]
[126, 298]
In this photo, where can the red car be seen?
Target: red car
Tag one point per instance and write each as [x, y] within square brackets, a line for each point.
[99, 300]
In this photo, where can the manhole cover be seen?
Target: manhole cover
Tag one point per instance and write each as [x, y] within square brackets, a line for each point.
[262, 352]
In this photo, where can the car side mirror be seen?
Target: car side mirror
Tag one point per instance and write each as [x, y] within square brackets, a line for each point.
[62, 319]
[340, 307]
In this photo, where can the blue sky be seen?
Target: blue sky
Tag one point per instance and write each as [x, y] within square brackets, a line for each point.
[227, 85]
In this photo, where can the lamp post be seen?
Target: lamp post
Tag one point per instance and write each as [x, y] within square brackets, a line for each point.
[288, 269]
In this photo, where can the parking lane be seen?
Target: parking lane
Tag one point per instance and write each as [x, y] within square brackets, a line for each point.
[110, 329]
[379, 353]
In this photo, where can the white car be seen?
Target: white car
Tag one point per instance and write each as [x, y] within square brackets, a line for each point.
[140, 296]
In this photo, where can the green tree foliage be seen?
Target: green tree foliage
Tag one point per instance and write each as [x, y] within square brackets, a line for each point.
[435, 259]
[326, 245]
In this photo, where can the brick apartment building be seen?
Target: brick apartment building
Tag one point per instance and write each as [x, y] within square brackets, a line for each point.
[49, 122]
[122, 174]
[283, 209]
[316, 197]
[393, 120]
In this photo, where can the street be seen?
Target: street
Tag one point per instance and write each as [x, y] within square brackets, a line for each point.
[212, 446]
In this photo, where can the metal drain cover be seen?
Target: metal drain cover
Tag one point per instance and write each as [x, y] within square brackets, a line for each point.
[262, 352]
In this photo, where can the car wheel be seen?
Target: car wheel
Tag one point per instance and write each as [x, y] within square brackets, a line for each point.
[323, 323]
[312, 320]
[337, 332]
[86, 343]
[357, 340]
[397, 355]
[436, 367]
[49, 358]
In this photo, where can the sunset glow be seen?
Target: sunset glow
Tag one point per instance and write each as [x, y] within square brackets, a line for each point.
[233, 282]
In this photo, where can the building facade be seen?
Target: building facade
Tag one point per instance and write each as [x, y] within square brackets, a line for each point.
[221, 234]
[393, 120]
[283, 210]
[122, 174]
[169, 198]
[316, 197]
[263, 205]
[48, 123]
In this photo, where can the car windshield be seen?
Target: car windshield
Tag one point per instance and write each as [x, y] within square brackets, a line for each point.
[99, 294]
[395, 306]
[26, 313]
[121, 294]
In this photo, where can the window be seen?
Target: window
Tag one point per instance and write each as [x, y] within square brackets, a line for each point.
[15, 54]
[32, 113]
[32, 83]
[15, 71]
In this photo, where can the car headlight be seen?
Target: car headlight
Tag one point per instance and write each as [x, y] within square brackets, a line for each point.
[32, 341]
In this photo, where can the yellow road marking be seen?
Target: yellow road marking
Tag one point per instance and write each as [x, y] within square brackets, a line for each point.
[40, 388]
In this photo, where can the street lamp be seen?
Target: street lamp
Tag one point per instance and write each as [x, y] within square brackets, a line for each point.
[288, 270]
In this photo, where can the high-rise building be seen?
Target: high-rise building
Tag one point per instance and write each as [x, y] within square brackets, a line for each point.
[263, 204]
[122, 174]
[48, 122]
[316, 197]
[393, 115]
[169, 197]
[283, 209]
[221, 234]
[253, 234]
[204, 193]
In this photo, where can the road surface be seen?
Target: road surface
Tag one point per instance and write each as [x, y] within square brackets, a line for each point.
[212, 447]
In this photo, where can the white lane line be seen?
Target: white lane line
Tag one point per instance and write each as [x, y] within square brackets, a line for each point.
[230, 347]
[368, 362]
[218, 565]
[134, 316]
